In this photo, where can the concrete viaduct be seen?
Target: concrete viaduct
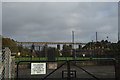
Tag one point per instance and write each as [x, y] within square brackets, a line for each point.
[52, 43]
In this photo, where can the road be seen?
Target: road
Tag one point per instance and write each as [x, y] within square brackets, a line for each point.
[98, 71]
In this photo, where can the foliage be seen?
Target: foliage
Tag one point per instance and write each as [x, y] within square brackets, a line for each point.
[7, 42]
[103, 48]
[66, 52]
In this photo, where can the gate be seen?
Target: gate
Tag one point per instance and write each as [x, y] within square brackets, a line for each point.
[69, 70]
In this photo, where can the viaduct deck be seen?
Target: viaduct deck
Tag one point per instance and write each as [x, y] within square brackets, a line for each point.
[76, 43]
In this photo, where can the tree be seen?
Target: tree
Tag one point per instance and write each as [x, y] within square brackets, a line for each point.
[66, 50]
[7, 42]
[10, 43]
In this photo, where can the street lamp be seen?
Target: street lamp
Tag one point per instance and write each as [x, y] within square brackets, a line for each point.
[74, 53]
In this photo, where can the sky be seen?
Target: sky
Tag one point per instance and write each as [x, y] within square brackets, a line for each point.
[119, 20]
[0, 18]
[55, 21]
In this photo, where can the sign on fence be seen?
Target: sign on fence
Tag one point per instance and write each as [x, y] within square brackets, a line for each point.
[52, 65]
[38, 68]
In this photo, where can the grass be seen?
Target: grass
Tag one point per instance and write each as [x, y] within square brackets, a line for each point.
[25, 59]
[58, 58]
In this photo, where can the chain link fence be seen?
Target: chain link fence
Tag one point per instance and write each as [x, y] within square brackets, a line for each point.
[6, 65]
[80, 70]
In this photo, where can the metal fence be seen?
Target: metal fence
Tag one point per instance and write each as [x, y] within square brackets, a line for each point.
[67, 70]
[1, 67]
[6, 65]
[91, 69]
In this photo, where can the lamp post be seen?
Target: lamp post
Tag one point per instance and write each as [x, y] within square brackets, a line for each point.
[74, 53]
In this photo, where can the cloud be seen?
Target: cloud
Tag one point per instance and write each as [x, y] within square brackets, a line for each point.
[46, 21]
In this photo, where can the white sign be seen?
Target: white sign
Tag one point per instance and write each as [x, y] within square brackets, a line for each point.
[38, 68]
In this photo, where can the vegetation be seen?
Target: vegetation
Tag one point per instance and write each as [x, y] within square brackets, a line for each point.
[7, 42]
[66, 52]
[60, 58]
[100, 49]
[103, 48]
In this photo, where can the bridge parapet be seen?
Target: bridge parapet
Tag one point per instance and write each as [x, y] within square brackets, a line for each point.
[76, 43]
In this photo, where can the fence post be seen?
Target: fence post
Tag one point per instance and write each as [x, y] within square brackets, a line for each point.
[117, 69]
[7, 63]
[68, 70]
[17, 70]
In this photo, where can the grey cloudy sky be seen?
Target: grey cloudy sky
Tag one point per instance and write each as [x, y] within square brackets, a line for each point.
[0, 18]
[51, 21]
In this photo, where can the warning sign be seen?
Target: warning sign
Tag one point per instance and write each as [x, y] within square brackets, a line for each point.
[38, 68]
